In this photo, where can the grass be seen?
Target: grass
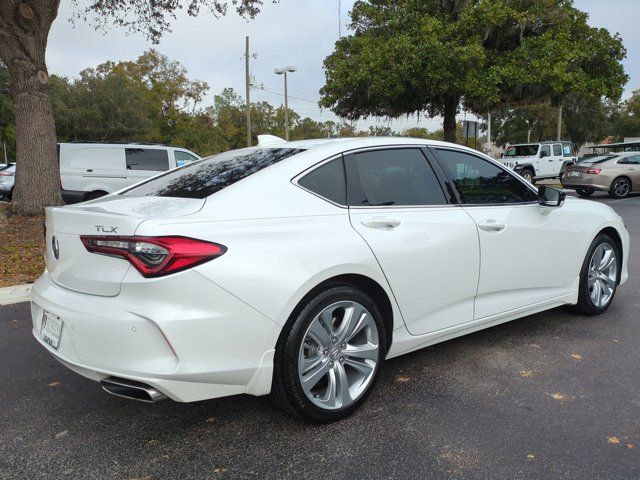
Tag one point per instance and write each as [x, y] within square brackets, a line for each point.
[21, 248]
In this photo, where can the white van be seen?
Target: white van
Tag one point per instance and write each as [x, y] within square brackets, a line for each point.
[91, 170]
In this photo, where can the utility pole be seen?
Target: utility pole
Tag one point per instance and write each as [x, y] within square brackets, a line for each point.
[560, 123]
[339, 19]
[248, 81]
[489, 132]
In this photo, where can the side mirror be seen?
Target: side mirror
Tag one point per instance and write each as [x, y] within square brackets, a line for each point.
[544, 153]
[550, 197]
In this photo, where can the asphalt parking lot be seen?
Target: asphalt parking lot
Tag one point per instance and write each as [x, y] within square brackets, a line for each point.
[552, 395]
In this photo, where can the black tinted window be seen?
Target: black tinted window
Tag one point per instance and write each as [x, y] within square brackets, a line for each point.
[206, 177]
[327, 181]
[557, 150]
[396, 177]
[147, 159]
[545, 150]
[481, 182]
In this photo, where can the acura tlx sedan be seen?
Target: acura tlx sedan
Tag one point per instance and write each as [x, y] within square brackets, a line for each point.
[297, 269]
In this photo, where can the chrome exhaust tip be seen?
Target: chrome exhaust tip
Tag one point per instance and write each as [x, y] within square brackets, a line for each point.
[131, 390]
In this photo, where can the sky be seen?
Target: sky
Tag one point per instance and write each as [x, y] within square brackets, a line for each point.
[292, 32]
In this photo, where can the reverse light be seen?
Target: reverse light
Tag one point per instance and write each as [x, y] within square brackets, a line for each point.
[594, 171]
[155, 256]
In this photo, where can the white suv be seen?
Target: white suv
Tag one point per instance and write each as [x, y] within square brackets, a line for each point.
[537, 161]
[92, 170]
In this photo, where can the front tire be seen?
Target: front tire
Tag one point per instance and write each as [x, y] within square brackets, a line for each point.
[329, 355]
[599, 277]
[527, 175]
[620, 188]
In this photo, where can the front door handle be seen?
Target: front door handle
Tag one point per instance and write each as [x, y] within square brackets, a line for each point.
[382, 223]
[491, 226]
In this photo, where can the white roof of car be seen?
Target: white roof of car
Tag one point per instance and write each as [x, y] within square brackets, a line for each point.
[349, 142]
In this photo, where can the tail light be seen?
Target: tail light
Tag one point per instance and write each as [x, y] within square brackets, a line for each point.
[594, 171]
[155, 256]
[6, 174]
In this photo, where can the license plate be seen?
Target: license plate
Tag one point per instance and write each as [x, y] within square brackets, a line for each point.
[574, 174]
[51, 329]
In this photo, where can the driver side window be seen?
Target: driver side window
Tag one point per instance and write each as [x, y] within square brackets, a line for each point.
[545, 151]
[480, 182]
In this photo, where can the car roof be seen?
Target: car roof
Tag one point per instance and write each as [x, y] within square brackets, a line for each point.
[347, 143]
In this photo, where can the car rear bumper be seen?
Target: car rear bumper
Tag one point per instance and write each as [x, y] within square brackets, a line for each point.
[586, 181]
[186, 337]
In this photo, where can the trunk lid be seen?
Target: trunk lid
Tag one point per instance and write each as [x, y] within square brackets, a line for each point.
[71, 266]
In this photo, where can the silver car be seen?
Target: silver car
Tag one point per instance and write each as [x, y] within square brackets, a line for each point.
[7, 179]
[616, 173]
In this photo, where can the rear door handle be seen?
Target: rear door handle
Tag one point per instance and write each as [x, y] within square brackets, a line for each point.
[382, 223]
[491, 226]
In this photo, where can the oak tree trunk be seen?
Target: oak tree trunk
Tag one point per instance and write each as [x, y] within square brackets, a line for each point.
[449, 124]
[24, 28]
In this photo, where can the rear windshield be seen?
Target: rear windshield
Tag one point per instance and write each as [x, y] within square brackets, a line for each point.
[521, 151]
[602, 159]
[206, 177]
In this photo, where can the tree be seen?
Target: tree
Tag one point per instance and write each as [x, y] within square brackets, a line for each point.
[24, 30]
[433, 56]
[625, 117]
[7, 130]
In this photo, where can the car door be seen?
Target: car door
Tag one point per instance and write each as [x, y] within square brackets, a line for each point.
[631, 167]
[544, 162]
[558, 160]
[427, 248]
[143, 163]
[525, 248]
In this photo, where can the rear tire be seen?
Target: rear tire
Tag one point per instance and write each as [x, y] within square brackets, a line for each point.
[329, 355]
[584, 192]
[620, 188]
[599, 277]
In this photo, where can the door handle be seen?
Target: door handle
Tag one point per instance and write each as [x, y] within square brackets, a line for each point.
[491, 226]
[382, 223]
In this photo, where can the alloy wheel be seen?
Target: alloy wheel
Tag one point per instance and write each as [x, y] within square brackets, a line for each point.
[603, 275]
[338, 355]
[621, 188]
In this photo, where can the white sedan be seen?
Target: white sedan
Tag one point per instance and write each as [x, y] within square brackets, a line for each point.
[297, 268]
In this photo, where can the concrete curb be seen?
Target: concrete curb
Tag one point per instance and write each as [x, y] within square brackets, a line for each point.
[15, 294]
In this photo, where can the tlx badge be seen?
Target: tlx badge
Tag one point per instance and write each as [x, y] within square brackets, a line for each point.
[103, 229]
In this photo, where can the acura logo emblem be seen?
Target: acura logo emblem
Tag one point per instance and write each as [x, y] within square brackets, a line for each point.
[55, 246]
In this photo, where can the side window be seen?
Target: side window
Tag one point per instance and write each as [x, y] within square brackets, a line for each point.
[481, 182]
[327, 181]
[395, 177]
[545, 151]
[557, 150]
[634, 160]
[155, 160]
[182, 158]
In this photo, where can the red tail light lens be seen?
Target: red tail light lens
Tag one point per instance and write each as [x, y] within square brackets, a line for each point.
[155, 256]
[7, 174]
[594, 171]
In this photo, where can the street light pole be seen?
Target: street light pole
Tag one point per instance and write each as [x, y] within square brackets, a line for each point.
[284, 71]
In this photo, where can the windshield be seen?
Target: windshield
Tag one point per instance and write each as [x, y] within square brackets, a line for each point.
[206, 177]
[521, 150]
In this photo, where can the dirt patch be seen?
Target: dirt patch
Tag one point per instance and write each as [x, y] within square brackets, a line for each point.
[21, 248]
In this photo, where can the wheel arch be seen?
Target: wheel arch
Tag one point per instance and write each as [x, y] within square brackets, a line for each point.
[626, 177]
[615, 236]
[368, 285]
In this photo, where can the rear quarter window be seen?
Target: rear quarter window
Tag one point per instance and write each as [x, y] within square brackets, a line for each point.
[205, 177]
